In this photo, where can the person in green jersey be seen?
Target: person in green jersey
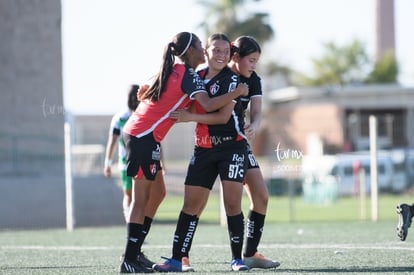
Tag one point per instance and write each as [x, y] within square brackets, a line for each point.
[117, 123]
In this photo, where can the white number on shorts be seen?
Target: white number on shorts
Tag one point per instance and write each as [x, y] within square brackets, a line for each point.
[252, 160]
[235, 171]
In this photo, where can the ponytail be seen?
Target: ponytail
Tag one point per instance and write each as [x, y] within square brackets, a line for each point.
[178, 47]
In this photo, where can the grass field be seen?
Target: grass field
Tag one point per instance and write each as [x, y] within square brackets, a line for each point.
[285, 209]
[322, 240]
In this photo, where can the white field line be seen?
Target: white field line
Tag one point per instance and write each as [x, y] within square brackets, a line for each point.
[346, 246]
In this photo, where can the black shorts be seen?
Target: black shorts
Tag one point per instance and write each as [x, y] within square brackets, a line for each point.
[142, 156]
[251, 160]
[206, 164]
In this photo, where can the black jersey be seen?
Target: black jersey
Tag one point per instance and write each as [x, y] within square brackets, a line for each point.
[255, 88]
[209, 136]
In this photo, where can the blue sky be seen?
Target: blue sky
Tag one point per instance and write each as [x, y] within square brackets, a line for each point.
[110, 44]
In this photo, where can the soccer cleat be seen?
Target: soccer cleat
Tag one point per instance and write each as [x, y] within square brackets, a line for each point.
[144, 261]
[133, 267]
[239, 265]
[260, 261]
[170, 265]
[404, 220]
[185, 265]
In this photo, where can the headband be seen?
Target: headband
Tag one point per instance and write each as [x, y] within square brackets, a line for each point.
[188, 45]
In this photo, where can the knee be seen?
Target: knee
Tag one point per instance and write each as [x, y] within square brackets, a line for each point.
[232, 208]
[260, 200]
[264, 197]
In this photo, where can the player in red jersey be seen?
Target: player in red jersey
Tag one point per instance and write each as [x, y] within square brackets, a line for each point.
[220, 150]
[246, 54]
[174, 87]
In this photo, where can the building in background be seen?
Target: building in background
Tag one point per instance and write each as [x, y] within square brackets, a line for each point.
[339, 118]
[32, 158]
[32, 185]
[385, 29]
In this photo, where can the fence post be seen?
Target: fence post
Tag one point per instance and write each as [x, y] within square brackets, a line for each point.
[70, 221]
[291, 192]
[362, 194]
[374, 165]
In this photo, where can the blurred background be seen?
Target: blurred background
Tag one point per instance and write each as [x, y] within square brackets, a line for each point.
[338, 80]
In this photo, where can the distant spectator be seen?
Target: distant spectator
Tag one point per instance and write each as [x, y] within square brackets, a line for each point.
[117, 123]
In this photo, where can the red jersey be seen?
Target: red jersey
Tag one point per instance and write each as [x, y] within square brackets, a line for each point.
[153, 116]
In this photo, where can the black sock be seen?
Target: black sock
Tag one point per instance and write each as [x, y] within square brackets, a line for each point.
[145, 229]
[235, 226]
[134, 234]
[183, 236]
[254, 230]
[186, 253]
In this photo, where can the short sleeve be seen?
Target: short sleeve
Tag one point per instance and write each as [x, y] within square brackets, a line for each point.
[192, 82]
[255, 88]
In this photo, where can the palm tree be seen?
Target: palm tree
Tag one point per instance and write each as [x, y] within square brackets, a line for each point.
[224, 16]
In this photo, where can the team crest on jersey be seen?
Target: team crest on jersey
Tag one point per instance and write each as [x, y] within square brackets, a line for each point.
[153, 169]
[214, 89]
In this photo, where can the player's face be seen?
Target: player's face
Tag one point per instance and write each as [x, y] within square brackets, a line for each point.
[247, 64]
[198, 52]
[218, 54]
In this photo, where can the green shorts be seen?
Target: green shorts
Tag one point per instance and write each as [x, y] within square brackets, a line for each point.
[125, 180]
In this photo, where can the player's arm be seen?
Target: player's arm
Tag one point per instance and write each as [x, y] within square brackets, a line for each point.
[255, 117]
[219, 117]
[110, 147]
[210, 104]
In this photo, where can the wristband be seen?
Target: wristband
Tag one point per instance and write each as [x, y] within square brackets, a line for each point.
[108, 162]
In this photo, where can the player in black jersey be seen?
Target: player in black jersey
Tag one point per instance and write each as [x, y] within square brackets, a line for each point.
[245, 55]
[220, 150]
[175, 85]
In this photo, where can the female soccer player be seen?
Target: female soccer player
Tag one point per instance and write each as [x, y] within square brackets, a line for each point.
[246, 54]
[220, 150]
[175, 85]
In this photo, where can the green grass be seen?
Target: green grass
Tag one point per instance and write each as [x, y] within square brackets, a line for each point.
[285, 209]
[301, 247]
[321, 239]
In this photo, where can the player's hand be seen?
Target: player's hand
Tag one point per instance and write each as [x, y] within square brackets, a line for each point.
[243, 89]
[250, 131]
[181, 115]
[108, 172]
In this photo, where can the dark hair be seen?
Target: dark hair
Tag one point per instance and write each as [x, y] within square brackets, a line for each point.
[133, 97]
[178, 47]
[217, 36]
[245, 45]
